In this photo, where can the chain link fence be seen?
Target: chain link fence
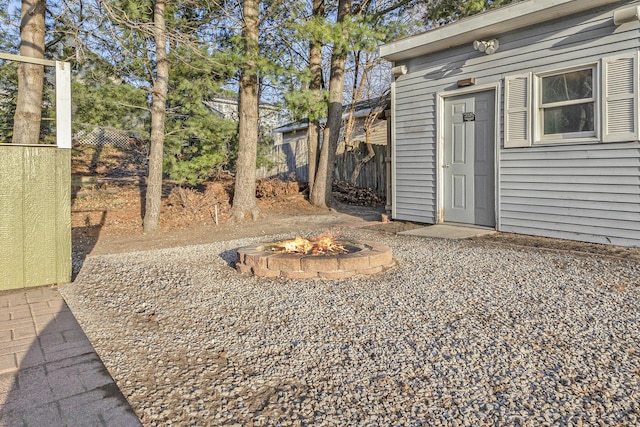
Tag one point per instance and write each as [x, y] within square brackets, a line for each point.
[86, 134]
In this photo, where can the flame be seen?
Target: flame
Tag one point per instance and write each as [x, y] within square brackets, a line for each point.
[319, 245]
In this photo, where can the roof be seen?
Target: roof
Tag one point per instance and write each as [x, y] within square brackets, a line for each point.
[234, 102]
[496, 21]
[362, 108]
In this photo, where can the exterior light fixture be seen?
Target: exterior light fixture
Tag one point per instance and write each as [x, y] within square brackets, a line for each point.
[488, 47]
[471, 81]
[628, 14]
[398, 71]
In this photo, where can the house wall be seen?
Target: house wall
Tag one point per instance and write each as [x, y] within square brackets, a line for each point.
[588, 192]
[269, 115]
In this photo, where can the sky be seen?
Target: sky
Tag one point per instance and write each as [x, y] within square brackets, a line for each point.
[13, 8]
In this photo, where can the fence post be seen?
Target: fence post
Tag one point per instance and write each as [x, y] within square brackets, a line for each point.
[63, 104]
[35, 198]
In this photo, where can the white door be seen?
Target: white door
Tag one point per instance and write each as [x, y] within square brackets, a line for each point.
[469, 141]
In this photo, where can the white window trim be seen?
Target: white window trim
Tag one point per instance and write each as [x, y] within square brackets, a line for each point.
[578, 137]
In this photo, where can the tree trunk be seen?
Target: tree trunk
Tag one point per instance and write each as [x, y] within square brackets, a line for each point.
[356, 170]
[367, 126]
[321, 195]
[355, 97]
[244, 196]
[153, 196]
[315, 67]
[313, 142]
[28, 114]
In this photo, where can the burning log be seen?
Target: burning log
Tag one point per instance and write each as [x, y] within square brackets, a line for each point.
[320, 245]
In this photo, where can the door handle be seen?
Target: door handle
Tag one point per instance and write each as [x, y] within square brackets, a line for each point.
[446, 165]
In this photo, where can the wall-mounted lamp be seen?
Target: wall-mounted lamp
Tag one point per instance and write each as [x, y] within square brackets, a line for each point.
[628, 14]
[471, 81]
[398, 71]
[488, 47]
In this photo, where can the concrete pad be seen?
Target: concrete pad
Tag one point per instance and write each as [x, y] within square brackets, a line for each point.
[50, 375]
[5, 335]
[449, 231]
[7, 363]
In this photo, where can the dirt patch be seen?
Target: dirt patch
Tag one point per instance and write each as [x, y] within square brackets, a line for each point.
[108, 162]
[108, 207]
[559, 244]
[106, 223]
[498, 238]
[107, 210]
[394, 227]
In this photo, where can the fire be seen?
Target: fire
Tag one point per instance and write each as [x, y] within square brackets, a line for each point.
[320, 245]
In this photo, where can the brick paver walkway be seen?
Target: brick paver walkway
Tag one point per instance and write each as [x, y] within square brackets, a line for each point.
[50, 375]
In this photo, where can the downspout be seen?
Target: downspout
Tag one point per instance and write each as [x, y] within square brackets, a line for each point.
[392, 144]
[387, 164]
[397, 71]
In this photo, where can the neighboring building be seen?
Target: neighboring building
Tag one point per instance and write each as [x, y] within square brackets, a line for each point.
[523, 119]
[269, 115]
[290, 153]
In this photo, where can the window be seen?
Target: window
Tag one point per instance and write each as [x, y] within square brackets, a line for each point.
[592, 103]
[567, 105]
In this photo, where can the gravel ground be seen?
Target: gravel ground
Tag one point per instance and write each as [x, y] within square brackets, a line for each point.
[458, 333]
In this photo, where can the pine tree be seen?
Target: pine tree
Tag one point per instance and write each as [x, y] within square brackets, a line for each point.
[199, 141]
[244, 196]
[142, 39]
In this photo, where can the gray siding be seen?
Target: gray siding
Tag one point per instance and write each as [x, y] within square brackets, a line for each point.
[415, 157]
[591, 194]
[588, 192]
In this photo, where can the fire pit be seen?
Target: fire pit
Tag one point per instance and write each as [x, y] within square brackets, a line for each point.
[322, 257]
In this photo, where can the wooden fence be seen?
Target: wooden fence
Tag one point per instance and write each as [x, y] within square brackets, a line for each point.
[373, 174]
[290, 161]
[35, 199]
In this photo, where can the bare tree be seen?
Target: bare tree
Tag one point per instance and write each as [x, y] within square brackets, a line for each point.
[28, 114]
[364, 91]
[368, 128]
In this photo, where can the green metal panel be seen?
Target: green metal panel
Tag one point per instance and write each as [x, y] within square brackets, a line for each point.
[39, 215]
[35, 218]
[11, 243]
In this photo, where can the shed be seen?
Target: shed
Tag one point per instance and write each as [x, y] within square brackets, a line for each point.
[523, 119]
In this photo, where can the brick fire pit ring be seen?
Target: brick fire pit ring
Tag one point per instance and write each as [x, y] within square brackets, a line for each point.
[362, 258]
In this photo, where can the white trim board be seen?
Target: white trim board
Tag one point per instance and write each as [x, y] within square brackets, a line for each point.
[487, 24]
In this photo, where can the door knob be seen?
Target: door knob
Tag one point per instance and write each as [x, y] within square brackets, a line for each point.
[446, 165]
